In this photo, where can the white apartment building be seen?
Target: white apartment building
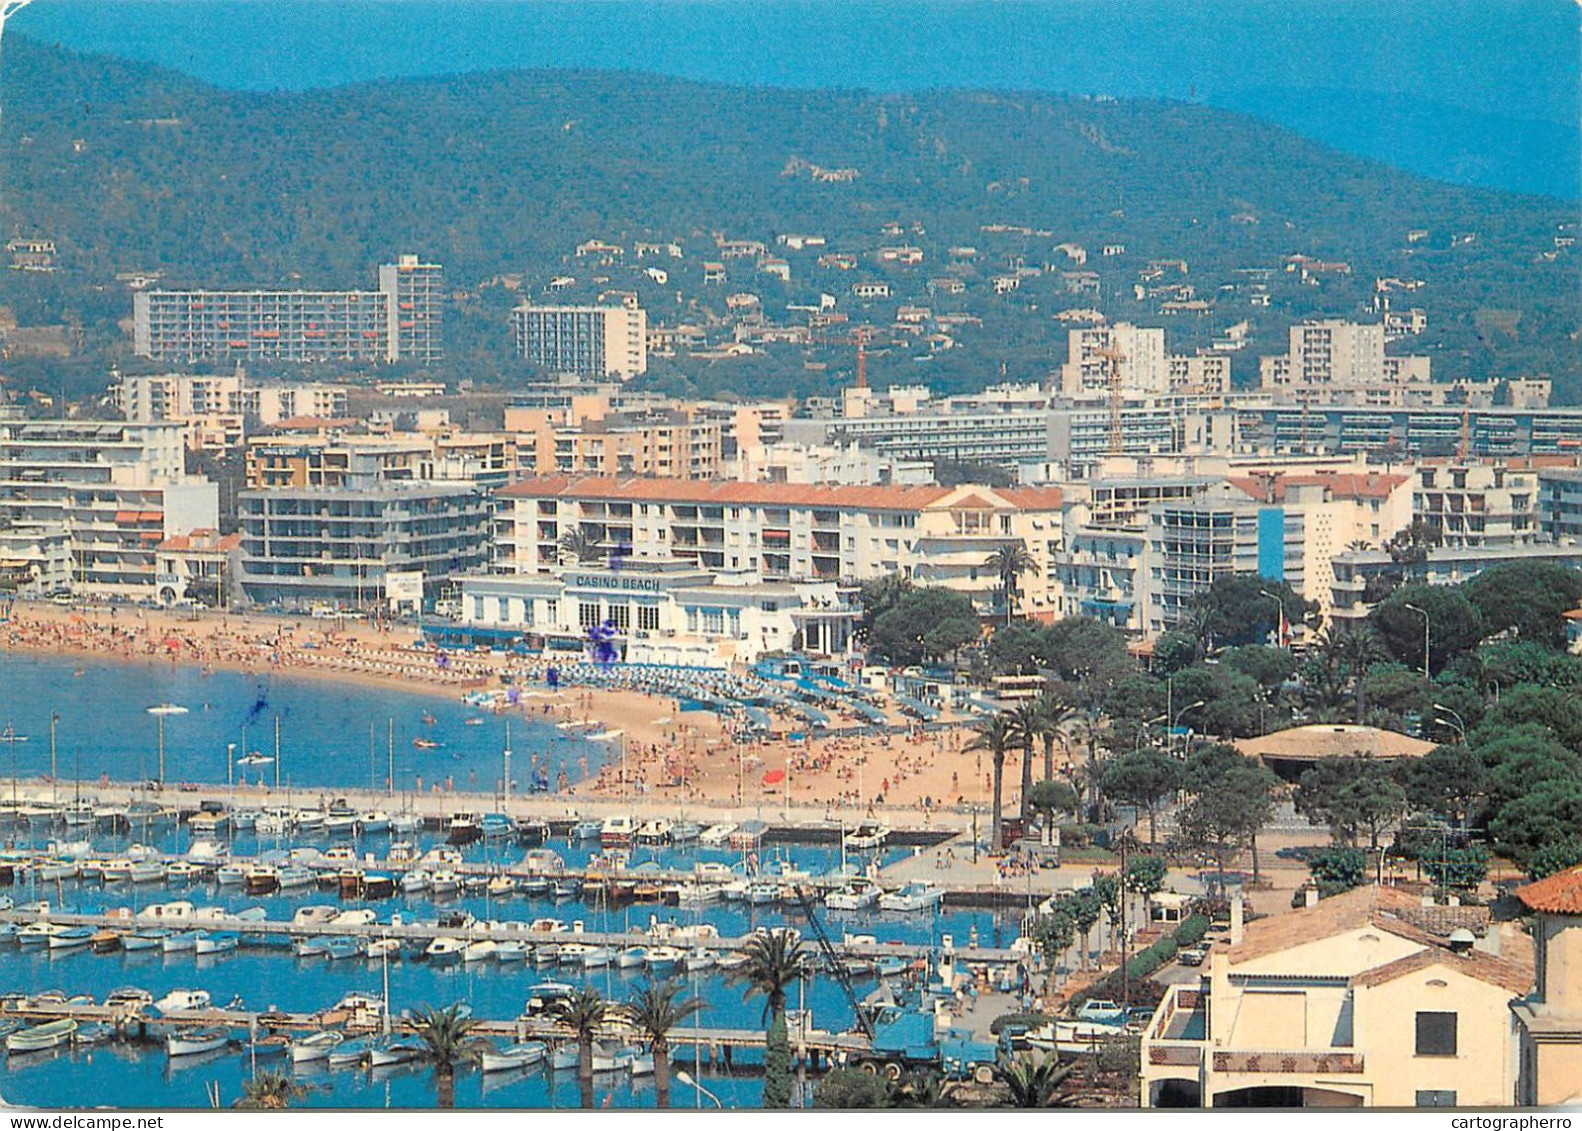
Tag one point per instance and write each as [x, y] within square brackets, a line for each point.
[116, 490]
[217, 409]
[588, 341]
[1140, 356]
[1332, 356]
[1469, 506]
[401, 321]
[1339, 512]
[786, 532]
[662, 611]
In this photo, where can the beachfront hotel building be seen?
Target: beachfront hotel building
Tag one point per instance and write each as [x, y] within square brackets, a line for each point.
[401, 321]
[1371, 998]
[336, 548]
[789, 532]
[114, 490]
[659, 611]
[587, 341]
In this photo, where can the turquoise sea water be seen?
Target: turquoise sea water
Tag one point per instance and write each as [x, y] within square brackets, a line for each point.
[327, 729]
[104, 728]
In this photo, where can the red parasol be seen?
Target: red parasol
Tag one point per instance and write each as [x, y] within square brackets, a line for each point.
[774, 777]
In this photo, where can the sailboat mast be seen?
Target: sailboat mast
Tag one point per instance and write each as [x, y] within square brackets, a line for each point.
[390, 781]
[277, 751]
[505, 781]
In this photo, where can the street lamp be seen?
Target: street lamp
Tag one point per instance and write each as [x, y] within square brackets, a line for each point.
[1279, 615]
[1422, 613]
[1460, 723]
[686, 1078]
[11, 738]
[1142, 730]
[1176, 722]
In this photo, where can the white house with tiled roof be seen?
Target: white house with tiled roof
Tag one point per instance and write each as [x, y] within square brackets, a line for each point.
[1549, 1020]
[1365, 999]
[790, 532]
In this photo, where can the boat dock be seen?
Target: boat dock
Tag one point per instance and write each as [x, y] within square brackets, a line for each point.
[133, 1022]
[125, 921]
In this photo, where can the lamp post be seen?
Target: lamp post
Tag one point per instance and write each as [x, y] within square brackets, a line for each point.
[1176, 722]
[54, 777]
[1279, 615]
[1142, 730]
[12, 738]
[1422, 613]
[686, 1078]
[1460, 723]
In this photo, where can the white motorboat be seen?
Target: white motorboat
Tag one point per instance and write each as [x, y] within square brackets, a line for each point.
[389, 1051]
[510, 1057]
[479, 950]
[663, 960]
[36, 1038]
[631, 958]
[700, 959]
[857, 895]
[39, 934]
[183, 1001]
[616, 832]
[762, 892]
[374, 821]
[913, 897]
[868, 835]
[414, 882]
[715, 836]
[315, 1046]
[444, 883]
[444, 950]
[193, 1041]
[511, 951]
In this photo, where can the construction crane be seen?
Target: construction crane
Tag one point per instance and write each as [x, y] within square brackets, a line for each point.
[836, 963]
[861, 336]
[1114, 357]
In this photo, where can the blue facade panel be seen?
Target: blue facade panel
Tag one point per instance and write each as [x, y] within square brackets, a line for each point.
[1271, 543]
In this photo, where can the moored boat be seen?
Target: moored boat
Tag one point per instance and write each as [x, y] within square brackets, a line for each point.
[194, 1041]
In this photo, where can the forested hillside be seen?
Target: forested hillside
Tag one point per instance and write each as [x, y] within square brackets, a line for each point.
[128, 167]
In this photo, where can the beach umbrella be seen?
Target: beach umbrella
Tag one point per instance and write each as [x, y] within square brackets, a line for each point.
[774, 777]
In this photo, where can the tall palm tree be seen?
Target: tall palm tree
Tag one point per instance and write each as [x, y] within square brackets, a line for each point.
[584, 1012]
[1053, 711]
[1033, 1083]
[582, 543]
[448, 1041]
[775, 962]
[1009, 562]
[1359, 649]
[1027, 726]
[656, 1010]
[269, 1091]
[994, 736]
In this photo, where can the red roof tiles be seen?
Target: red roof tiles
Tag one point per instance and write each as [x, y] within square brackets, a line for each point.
[765, 494]
[1559, 894]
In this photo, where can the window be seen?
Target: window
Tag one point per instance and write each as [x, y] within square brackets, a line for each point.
[648, 618]
[505, 608]
[1435, 1097]
[477, 608]
[588, 614]
[1436, 1034]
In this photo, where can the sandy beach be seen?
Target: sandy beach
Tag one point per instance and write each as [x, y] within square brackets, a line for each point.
[692, 758]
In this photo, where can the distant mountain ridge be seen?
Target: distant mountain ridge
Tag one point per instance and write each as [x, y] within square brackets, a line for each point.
[129, 166]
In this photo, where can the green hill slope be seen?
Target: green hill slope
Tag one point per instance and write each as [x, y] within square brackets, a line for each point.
[130, 167]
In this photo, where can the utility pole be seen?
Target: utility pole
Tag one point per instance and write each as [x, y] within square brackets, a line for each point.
[54, 777]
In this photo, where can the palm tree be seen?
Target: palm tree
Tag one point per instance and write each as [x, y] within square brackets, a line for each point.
[269, 1091]
[1033, 1083]
[994, 736]
[1359, 649]
[1027, 725]
[1009, 562]
[582, 543]
[1052, 715]
[447, 1042]
[584, 1012]
[775, 961]
[656, 1010]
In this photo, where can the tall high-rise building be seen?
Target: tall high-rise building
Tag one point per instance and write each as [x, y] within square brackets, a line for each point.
[588, 341]
[401, 321]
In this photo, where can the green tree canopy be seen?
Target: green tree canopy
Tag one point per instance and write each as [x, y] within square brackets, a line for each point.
[1454, 624]
[1449, 782]
[1235, 612]
[1353, 796]
[1529, 599]
[924, 625]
